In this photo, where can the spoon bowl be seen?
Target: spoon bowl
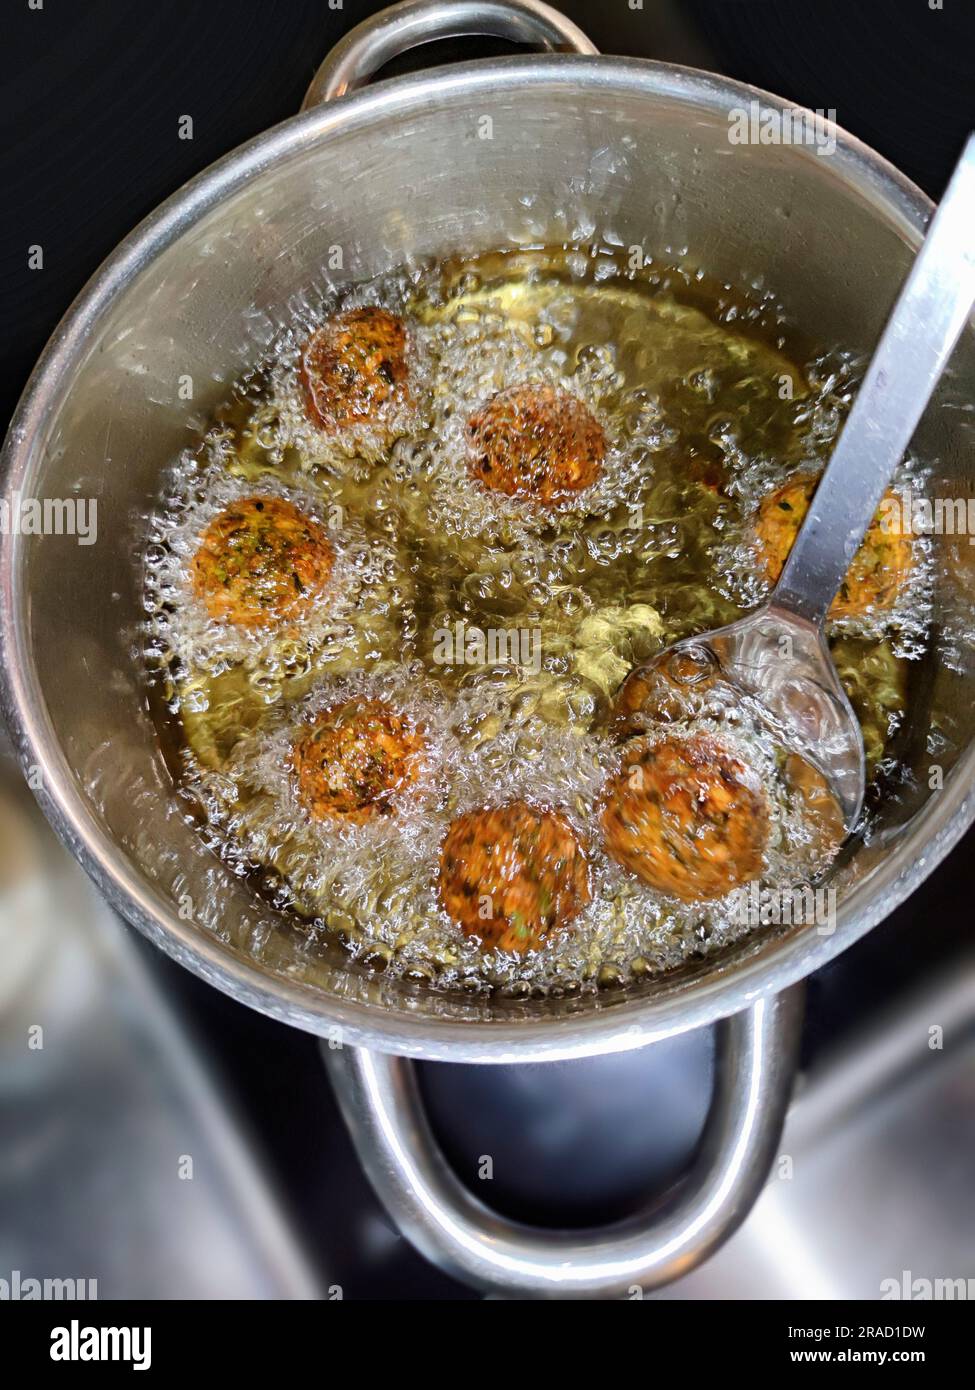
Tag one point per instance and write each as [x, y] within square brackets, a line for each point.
[776, 669]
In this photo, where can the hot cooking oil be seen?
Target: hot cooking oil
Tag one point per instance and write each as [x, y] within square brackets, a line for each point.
[502, 628]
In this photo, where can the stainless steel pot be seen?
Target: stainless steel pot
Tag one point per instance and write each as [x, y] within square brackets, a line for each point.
[579, 146]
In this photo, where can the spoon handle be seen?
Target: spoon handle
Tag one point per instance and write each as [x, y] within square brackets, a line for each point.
[926, 322]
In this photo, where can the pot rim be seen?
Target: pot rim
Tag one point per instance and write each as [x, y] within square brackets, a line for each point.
[626, 1024]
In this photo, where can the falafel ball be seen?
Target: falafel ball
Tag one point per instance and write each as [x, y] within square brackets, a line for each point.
[879, 569]
[686, 816]
[353, 759]
[354, 368]
[513, 874]
[535, 442]
[261, 561]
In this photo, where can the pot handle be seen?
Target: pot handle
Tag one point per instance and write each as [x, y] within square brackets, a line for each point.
[755, 1059]
[374, 42]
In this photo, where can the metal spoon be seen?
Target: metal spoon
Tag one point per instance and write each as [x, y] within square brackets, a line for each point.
[776, 659]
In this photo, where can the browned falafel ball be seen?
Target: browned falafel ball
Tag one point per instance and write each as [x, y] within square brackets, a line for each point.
[512, 874]
[354, 367]
[353, 759]
[535, 442]
[686, 816]
[879, 569]
[260, 561]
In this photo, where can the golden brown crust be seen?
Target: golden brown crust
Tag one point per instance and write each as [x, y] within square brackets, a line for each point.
[353, 759]
[261, 561]
[879, 569]
[535, 442]
[512, 874]
[686, 816]
[354, 367]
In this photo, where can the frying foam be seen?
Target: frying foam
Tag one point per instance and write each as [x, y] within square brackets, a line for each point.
[493, 734]
[285, 424]
[376, 883]
[181, 628]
